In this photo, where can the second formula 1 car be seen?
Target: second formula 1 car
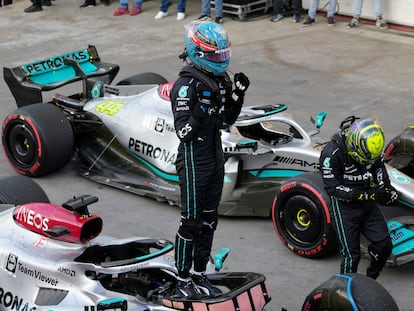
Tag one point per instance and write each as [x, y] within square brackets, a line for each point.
[53, 258]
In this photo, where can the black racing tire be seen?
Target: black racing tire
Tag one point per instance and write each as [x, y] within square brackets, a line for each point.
[350, 292]
[38, 139]
[143, 78]
[301, 216]
[20, 190]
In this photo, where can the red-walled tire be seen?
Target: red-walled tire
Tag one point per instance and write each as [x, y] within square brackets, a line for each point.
[301, 216]
[37, 139]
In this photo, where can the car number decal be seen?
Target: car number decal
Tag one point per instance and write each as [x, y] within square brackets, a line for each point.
[110, 107]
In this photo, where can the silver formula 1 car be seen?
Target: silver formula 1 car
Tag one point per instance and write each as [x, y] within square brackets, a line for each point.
[123, 135]
[53, 259]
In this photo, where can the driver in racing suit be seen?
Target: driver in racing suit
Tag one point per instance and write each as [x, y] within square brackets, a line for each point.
[202, 100]
[355, 177]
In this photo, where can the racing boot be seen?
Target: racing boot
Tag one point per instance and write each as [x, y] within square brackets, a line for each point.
[204, 285]
[379, 253]
[186, 289]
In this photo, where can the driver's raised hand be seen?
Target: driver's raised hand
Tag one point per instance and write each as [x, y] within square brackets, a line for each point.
[241, 83]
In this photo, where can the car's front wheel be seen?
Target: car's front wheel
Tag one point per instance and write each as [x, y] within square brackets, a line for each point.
[301, 216]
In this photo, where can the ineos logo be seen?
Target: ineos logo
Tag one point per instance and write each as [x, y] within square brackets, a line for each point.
[32, 218]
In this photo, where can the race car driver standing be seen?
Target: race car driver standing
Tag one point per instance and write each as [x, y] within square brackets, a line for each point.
[355, 177]
[202, 100]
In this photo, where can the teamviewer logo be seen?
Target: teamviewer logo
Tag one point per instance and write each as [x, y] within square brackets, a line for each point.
[11, 263]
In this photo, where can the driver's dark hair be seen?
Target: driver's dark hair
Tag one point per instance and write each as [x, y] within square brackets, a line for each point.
[183, 55]
[346, 125]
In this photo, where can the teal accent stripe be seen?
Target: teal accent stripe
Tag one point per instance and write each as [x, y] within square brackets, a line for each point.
[227, 179]
[281, 108]
[266, 113]
[160, 173]
[190, 179]
[245, 142]
[193, 174]
[180, 255]
[186, 178]
[345, 251]
[111, 300]
[165, 249]
[275, 173]
[406, 203]
[184, 248]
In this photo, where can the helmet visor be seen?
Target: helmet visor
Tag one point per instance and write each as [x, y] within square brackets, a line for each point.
[217, 56]
[365, 141]
[374, 143]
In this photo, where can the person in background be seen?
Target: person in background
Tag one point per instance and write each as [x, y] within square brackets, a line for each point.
[6, 2]
[355, 177]
[37, 5]
[206, 8]
[356, 12]
[277, 13]
[123, 8]
[164, 9]
[90, 3]
[202, 99]
[313, 8]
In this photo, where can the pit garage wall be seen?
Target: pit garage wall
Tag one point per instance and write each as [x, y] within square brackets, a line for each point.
[399, 12]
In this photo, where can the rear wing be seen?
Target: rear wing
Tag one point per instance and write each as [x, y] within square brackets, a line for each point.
[28, 81]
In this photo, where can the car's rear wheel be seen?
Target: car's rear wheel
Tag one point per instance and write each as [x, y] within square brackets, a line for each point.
[20, 190]
[301, 216]
[143, 78]
[37, 139]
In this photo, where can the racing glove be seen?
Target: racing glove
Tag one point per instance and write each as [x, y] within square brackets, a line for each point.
[383, 196]
[241, 84]
[387, 196]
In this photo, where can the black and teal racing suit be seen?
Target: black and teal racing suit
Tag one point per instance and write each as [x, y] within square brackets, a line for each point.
[345, 180]
[200, 162]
